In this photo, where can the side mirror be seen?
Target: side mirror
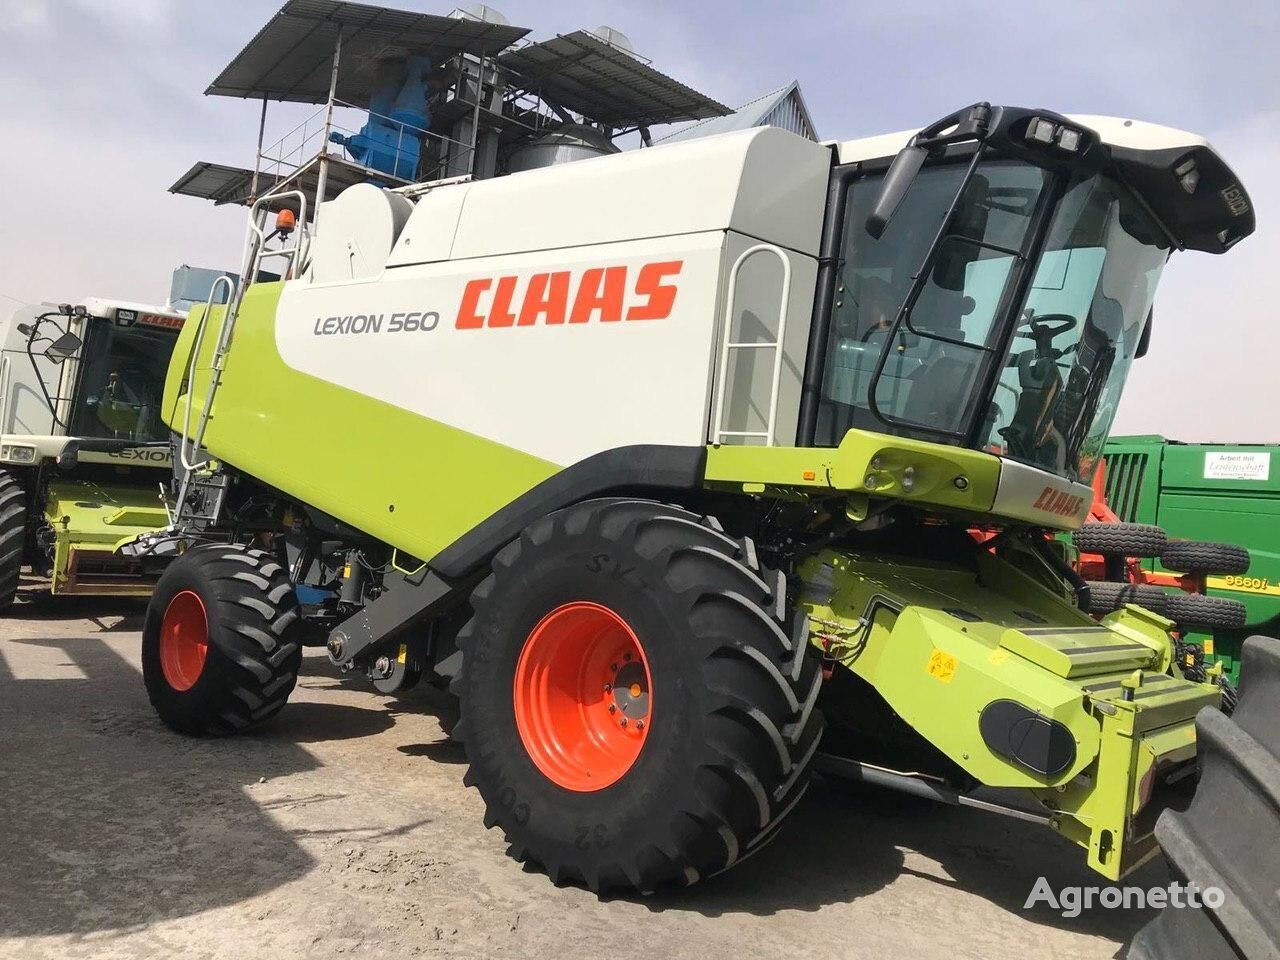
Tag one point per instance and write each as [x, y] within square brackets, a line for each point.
[902, 173]
[1144, 341]
[25, 329]
[63, 349]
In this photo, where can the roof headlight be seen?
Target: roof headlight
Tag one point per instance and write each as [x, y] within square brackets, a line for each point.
[1187, 174]
[1069, 139]
[1041, 130]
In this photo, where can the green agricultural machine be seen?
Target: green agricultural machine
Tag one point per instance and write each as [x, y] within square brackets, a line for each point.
[84, 453]
[673, 460]
[1224, 495]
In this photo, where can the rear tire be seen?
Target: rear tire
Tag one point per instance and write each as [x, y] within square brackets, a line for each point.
[1199, 556]
[1197, 610]
[1106, 596]
[729, 740]
[239, 605]
[13, 536]
[1120, 539]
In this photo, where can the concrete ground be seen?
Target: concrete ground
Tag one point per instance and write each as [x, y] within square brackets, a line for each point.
[343, 829]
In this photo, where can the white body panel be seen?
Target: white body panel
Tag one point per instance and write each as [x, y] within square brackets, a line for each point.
[560, 392]
[1036, 496]
[668, 221]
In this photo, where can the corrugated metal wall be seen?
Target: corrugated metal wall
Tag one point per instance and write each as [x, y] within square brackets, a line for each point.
[787, 115]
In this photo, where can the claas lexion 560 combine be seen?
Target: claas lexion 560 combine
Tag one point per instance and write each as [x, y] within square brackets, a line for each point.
[670, 459]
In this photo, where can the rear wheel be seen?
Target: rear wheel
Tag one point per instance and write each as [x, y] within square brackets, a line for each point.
[635, 715]
[1120, 539]
[219, 651]
[13, 535]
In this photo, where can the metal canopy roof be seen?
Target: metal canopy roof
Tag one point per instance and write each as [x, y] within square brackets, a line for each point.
[582, 73]
[225, 184]
[215, 181]
[291, 58]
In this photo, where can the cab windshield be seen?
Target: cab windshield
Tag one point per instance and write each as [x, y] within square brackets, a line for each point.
[951, 371]
[122, 382]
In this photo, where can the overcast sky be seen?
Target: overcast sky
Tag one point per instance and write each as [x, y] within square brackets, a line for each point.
[101, 109]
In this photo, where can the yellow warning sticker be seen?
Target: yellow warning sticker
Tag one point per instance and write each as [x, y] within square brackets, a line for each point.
[404, 654]
[942, 666]
[1208, 646]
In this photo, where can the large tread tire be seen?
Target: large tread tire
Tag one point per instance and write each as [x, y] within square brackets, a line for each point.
[253, 655]
[734, 728]
[1226, 838]
[1106, 596]
[13, 536]
[1197, 610]
[1120, 539]
[1201, 556]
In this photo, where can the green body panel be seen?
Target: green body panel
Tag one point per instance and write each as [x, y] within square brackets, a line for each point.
[865, 464]
[1154, 480]
[89, 521]
[941, 641]
[412, 482]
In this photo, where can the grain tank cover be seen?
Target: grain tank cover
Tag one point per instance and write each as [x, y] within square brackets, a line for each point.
[764, 183]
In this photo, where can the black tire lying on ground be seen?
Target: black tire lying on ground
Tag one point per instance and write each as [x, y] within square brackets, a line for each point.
[1197, 610]
[727, 747]
[1201, 556]
[1121, 539]
[1106, 596]
[239, 605]
[13, 536]
[1226, 838]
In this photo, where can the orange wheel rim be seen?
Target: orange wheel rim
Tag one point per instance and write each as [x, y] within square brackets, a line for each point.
[583, 696]
[184, 641]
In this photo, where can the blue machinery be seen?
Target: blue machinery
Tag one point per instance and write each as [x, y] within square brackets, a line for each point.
[391, 139]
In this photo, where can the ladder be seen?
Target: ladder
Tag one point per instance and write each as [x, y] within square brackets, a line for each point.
[729, 347]
[256, 252]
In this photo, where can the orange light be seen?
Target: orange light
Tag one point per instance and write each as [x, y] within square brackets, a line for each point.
[286, 221]
[809, 475]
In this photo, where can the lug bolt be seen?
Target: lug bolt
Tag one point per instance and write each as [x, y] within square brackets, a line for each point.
[613, 708]
[626, 656]
[623, 722]
[608, 688]
[613, 667]
[639, 724]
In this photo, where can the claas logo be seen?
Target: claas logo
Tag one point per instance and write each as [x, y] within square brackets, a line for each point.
[603, 294]
[1055, 501]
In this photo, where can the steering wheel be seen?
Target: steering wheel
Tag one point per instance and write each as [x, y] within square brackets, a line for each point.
[1050, 326]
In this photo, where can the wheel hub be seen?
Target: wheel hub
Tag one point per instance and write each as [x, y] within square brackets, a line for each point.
[184, 641]
[582, 696]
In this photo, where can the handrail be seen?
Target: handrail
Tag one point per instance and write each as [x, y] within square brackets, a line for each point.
[4, 393]
[191, 371]
[729, 344]
[255, 241]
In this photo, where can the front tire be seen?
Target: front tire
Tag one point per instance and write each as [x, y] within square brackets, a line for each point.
[655, 612]
[219, 646]
[13, 536]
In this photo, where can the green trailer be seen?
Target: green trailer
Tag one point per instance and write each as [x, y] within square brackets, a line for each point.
[1216, 492]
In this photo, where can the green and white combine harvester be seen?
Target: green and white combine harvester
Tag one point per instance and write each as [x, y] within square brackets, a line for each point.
[663, 457]
[84, 453]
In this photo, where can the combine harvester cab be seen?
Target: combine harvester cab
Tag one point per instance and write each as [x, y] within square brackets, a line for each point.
[661, 457]
[84, 452]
